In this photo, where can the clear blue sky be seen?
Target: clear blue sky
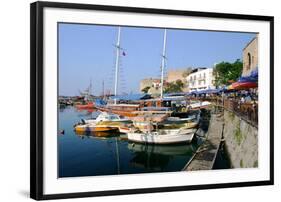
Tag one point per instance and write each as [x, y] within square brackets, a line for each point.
[87, 52]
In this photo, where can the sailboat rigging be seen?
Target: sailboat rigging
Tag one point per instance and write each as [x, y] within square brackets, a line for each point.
[163, 62]
[117, 64]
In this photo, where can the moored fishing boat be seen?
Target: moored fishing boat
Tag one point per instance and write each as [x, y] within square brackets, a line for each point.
[104, 122]
[161, 129]
[122, 127]
[127, 110]
[198, 105]
[191, 121]
[192, 124]
[133, 110]
[104, 116]
[89, 105]
[168, 136]
[146, 122]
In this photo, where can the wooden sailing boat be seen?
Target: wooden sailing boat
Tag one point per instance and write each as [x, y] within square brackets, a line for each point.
[127, 110]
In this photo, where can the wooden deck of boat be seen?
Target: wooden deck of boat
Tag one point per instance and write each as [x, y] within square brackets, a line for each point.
[205, 156]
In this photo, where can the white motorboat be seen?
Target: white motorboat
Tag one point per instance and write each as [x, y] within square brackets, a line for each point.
[104, 122]
[163, 136]
[104, 116]
[198, 105]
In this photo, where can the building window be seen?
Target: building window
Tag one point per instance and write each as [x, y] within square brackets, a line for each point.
[249, 61]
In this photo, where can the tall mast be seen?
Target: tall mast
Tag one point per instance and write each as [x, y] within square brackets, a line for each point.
[163, 62]
[117, 63]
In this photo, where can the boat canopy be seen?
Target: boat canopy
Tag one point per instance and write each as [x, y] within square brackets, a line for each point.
[100, 102]
[132, 97]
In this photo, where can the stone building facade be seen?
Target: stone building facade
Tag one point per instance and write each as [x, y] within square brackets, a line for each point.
[250, 56]
[177, 74]
[153, 84]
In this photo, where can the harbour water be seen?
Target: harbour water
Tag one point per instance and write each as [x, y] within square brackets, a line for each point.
[89, 155]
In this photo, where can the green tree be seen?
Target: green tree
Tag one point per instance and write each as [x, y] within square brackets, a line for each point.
[225, 72]
[146, 89]
[174, 87]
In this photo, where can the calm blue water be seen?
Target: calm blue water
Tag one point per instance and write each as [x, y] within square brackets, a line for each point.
[87, 155]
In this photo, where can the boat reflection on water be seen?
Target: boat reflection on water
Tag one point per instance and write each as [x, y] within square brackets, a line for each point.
[181, 149]
[84, 134]
[157, 157]
[104, 136]
[103, 153]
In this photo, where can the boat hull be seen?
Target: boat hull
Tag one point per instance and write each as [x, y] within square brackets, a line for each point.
[125, 113]
[92, 128]
[85, 106]
[164, 137]
[95, 134]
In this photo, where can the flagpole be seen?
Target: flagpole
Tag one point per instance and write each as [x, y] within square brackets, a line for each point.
[163, 62]
[117, 63]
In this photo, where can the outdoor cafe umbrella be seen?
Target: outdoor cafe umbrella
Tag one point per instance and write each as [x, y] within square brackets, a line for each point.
[242, 85]
[245, 82]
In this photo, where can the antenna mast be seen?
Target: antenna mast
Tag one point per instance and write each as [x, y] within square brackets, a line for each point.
[163, 62]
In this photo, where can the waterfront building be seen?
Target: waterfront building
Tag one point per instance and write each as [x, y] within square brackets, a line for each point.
[250, 56]
[152, 86]
[178, 74]
[201, 78]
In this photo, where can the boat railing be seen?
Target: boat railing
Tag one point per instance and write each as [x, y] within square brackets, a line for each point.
[155, 109]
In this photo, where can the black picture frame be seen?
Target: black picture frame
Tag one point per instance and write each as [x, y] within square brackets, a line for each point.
[36, 99]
